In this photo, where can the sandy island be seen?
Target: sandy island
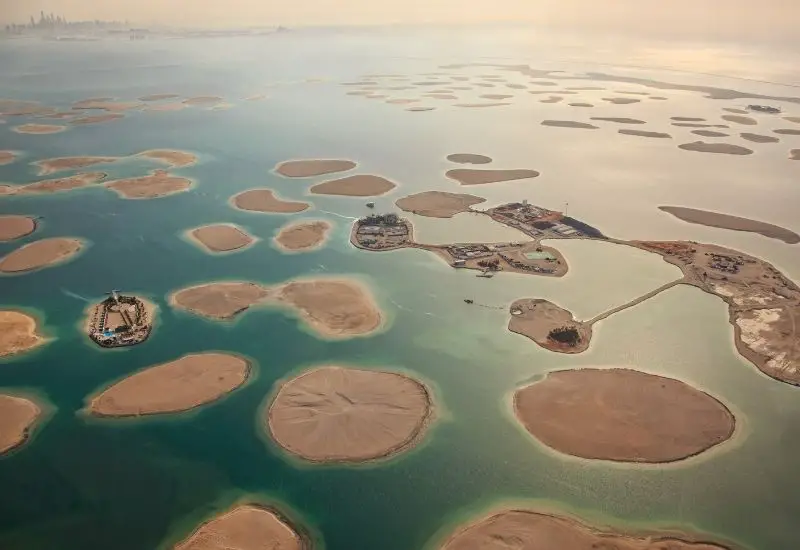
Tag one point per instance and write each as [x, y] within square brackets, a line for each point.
[220, 237]
[438, 204]
[621, 100]
[166, 107]
[622, 415]
[203, 100]
[7, 157]
[58, 185]
[159, 183]
[794, 154]
[362, 185]
[266, 200]
[619, 120]
[105, 104]
[18, 333]
[221, 301]
[173, 158]
[245, 527]
[96, 119]
[303, 236]
[709, 133]
[39, 129]
[469, 158]
[720, 148]
[644, 133]
[18, 416]
[735, 223]
[13, 227]
[687, 119]
[739, 119]
[539, 530]
[158, 97]
[337, 414]
[758, 138]
[40, 254]
[581, 105]
[58, 164]
[787, 131]
[314, 167]
[472, 176]
[180, 385]
[569, 124]
[544, 322]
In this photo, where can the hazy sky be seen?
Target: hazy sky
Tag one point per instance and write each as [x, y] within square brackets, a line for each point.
[714, 18]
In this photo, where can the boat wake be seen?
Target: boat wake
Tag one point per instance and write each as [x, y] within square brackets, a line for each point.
[339, 215]
[73, 295]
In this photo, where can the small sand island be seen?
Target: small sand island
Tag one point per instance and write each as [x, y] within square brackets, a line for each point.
[337, 414]
[159, 183]
[39, 129]
[644, 133]
[18, 332]
[18, 417]
[362, 185]
[245, 527]
[40, 254]
[313, 167]
[303, 236]
[569, 124]
[96, 119]
[739, 119]
[619, 120]
[438, 204]
[14, 227]
[550, 326]
[469, 158]
[266, 200]
[52, 165]
[758, 138]
[220, 237]
[158, 97]
[474, 176]
[543, 530]
[719, 148]
[7, 157]
[180, 385]
[794, 154]
[56, 185]
[220, 301]
[171, 157]
[735, 223]
[120, 321]
[622, 415]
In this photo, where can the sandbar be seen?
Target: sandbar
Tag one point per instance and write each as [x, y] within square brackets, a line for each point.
[735, 223]
[361, 185]
[438, 204]
[266, 200]
[622, 415]
[58, 164]
[619, 120]
[245, 527]
[552, 99]
[338, 414]
[420, 109]
[787, 132]
[7, 157]
[163, 107]
[18, 333]
[159, 183]
[474, 176]
[40, 254]
[58, 185]
[758, 138]
[38, 129]
[469, 158]
[644, 133]
[719, 148]
[687, 119]
[173, 158]
[794, 154]
[203, 100]
[303, 236]
[737, 111]
[18, 416]
[539, 530]
[550, 326]
[621, 100]
[220, 301]
[220, 237]
[480, 105]
[96, 119]
[13, 227]
[439, 96]
[496, 96]
[581, 105]
[795, 119]
[313, 167]
[739, 119]
[180, 385]
[709, 133]
[157, 97]
[104, 104]
[569, 124]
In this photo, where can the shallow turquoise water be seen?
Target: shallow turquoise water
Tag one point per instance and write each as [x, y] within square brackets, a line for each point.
[137, 485]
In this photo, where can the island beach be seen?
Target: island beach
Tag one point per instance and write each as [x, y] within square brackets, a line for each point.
[339, 414]
[18, 416]
[220, 237]
[220, 301]
[438, 204]
[7, 157]
[53, 165]
[14, 227]
[176, 386]
[302, 236]
[362, 185]
[267, 201]
[159, 183]
[471, 176]
[313, 167]
[39, 129]
[171, 157]
[735, 223]
[40, 254]
[18, 332]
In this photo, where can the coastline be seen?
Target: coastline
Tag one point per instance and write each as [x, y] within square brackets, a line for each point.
[44, 412]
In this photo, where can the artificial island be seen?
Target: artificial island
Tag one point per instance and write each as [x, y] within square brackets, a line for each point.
[119, 321]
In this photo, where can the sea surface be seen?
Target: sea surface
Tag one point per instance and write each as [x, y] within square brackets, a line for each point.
[144, 484]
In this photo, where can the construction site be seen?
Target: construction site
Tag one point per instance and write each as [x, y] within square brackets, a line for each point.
[120, 321]
[540, 223]
[381, 232]
[514, 257]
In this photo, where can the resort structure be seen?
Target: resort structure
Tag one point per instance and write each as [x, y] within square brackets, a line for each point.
[119, 321]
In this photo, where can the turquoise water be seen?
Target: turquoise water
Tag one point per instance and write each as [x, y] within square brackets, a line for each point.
[141, 484]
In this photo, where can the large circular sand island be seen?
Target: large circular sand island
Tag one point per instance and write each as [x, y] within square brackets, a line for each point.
[18, 332]
[244, 527]
[337, 414]
[17, 417]
[179, 385]
[622, 415]
[39, 254]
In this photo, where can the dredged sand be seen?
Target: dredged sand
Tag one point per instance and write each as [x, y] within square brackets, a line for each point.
[171, 157]
[471, 176]
[619, 120]
[739, 119]
[266, 200]
[313, 167]
[106, 104]
[622, 415]
[535, 318]
[58, 164]
[337, 414]
[244, 527]
[180, 385]
[220, 237]
[17, 418]
[165, 107]
[303, 236]
[621, 100]
[438, 204]
[38, 129]
[543, 530]
[758, 138]
[18, 332]
[13, 227]
[787, 132]
[735, 223]
[569, 124]
[7, 157]
[158, 97]
[718, 148]
[469, 158]
[362, 185]
[159, 183]
[40, 254]
[58, 185]
[221, 301]
[203, 100]
[644, 133]
[709, 133]
[96, 119]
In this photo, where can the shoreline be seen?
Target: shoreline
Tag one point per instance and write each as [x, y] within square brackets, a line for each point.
[45, 411]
